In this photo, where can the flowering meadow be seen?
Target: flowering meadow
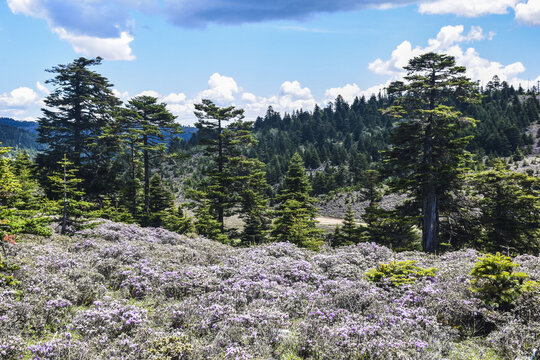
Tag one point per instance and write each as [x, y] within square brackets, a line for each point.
[120, 291]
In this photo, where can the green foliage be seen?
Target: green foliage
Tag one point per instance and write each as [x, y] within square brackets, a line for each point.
[170, 348]
[141, 125]
[428, 145]
[510, 210]
[398, 273]
[177, 221]
[113, 211]
[495, 282]
[349, 233]
[9, 184]
[74, 117]
[65, 185]
[6, 270]
[207, 225]
[295, 215]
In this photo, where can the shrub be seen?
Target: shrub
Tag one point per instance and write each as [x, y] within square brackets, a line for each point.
[170, 348]
[495, 282]
[398, 273]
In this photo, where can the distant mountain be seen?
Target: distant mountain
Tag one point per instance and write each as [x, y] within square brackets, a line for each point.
[26, 125]
[188, 132]
[23, 134]
[19, 134]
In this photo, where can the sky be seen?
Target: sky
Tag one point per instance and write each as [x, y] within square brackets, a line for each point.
[288, 54]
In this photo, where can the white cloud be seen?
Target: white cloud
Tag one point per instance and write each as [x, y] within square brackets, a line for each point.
[42, 88]
[249, 97]
[91, 46]
[350, 92]
[151, 93]
[19, 98]
[173, 98]
[529, 12]
[92, 27]
[295, 90]
[448, 41]
[468, 8]
[221, 89]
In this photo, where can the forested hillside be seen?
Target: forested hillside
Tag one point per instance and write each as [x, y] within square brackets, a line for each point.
[19, 134]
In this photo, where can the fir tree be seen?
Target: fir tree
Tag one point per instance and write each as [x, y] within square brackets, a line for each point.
[9, 183]
[210, 124]
[66, 187]
[348, 233]
[428, 146]
[510, 210]
[78, 109]
[295, 215]
[144, 123]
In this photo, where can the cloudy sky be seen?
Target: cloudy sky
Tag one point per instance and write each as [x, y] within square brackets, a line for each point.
[290, 54]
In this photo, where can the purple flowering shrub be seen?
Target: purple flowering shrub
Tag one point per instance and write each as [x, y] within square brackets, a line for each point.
[119, 291]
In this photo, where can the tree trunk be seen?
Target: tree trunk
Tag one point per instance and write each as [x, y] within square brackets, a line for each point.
[430, 223]
[64, 212]
[221, 176]
[146, 177]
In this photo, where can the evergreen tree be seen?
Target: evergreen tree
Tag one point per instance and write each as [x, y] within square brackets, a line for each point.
[386, 227]
[79, 108]
[428, 145]
[510, 210]
[295, 215]
[210, 124]
[66, 187]
[9, 184]
[206, 223]
[28, 197]
[348, 234]
[144, 123]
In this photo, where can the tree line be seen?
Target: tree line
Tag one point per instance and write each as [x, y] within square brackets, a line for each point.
[104, 159]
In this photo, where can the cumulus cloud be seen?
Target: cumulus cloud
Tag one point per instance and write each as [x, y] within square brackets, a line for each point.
[221, 89]
[18, 98]
[91, 46]
[350, 92]
[467, 8]
[449, 40]
[529, 12]
[42, 88]
[22, 103]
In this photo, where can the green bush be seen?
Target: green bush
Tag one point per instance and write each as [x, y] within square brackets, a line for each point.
[495, 282]
[171, 348]
[6, 268]
[398, 273]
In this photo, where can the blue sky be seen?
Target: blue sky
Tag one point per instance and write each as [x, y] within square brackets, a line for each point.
[252, 54]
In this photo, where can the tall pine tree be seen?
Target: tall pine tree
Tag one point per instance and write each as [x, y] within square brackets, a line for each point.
[77, 110]
[427, 144]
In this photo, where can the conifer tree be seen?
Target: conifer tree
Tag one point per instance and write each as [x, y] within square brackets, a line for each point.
[66, 186]
[347, 234]
[386, 227]
[77, 110]
[210, 124]
[295, 215]
[144, 123]
[9, 184]
[510, 210]
[206, 223]
[427, 145]
[28, 197]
